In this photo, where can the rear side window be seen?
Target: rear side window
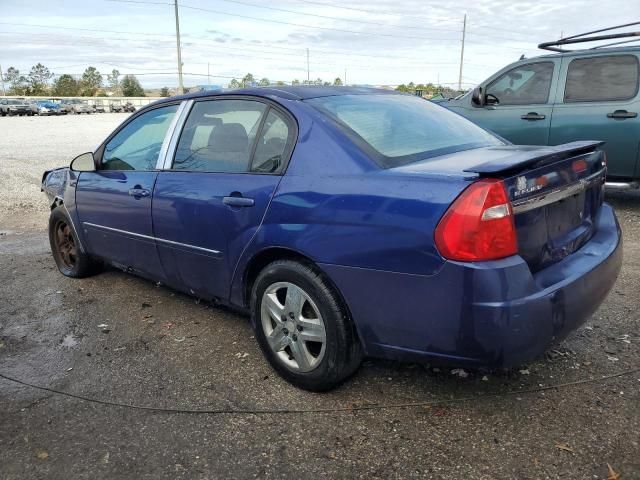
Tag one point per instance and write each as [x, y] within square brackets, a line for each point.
[271, 146]
[524, 84]
[399, 129]
[218, 136]
[602, 79]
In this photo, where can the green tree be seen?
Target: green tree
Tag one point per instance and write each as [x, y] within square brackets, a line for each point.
[234, 83]
[65, 86]
[264, 82]
[248, 80]
[164, 92]
[338, 82]
[39, 77]
[91, 81]
[280, 83]
[17, 83]
[131, 87]
[113, 79]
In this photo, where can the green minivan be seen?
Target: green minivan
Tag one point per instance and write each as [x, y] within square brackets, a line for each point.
[573, 95]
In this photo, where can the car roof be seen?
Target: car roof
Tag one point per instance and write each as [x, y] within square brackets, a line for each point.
[286, 92]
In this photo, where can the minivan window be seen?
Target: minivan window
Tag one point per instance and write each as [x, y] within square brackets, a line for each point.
[399, 129]
[218, 136]
[524, 84]
[602, 79]
[137, 146]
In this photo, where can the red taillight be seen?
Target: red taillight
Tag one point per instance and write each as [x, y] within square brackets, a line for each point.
[579, 166]
[478, 225]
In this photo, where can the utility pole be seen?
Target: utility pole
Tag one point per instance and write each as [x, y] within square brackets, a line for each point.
[308, 77]
[464, 32]
[208, 78]
[4, 92]
[180, 84]
[345, 77]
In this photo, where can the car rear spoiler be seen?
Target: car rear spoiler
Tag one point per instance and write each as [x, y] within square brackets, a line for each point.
[525, 158]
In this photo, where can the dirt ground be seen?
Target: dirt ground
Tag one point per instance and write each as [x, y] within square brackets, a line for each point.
[162, 349]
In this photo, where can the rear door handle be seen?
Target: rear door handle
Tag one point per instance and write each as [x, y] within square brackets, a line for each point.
[139, 192]
[533, 116]
[234, 201]
[622, 114]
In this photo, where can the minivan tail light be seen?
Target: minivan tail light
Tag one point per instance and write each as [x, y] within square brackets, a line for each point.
[478, 225]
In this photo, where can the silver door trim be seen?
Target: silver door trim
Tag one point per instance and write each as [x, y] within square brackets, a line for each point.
[173, 135]
[153, 239]
[169, 135]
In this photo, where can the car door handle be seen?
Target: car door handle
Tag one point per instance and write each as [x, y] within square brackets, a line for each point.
[238, 201]
[139, 192]
[533, 116]
[622, 114]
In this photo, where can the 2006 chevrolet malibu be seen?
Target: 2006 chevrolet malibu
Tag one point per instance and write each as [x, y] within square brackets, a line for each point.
[348, 222]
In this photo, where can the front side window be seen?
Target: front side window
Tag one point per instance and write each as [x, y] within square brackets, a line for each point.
[399, 129]
[137, 146]
[218, 136]
[522, 85]
[602, 79]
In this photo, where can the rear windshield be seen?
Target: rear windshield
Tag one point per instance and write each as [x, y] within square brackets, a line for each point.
[400, 129]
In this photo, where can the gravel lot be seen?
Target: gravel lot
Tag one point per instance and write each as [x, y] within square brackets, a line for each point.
[167, 350]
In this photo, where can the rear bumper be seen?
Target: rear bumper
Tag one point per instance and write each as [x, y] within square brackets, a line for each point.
[490, 313]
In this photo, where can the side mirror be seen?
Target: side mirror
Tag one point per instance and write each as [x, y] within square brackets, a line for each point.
[83, 163]
[477, 97]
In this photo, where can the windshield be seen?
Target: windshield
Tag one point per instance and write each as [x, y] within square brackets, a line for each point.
[15, 102]
[400, 129]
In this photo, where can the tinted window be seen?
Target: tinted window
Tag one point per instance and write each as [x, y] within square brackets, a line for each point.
[138, 144]
[399, 129]
[601, 79]
[523, 84]
[218, 136]
[269, 154]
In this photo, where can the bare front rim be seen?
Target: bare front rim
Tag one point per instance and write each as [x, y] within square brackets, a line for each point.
[65, 244]
[293, 326]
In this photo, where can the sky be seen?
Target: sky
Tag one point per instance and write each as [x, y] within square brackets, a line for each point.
[376, 42]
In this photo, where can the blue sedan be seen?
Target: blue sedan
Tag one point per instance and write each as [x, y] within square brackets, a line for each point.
[348, 223]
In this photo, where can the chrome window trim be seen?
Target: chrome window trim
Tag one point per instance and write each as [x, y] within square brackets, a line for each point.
[165, 161]
[168, 136]
[153, 239]
[558, 194]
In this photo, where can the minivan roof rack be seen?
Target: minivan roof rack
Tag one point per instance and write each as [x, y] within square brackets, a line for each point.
[557, 45]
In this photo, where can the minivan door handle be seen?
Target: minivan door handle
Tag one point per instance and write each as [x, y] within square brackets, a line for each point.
[138, 192]
[622, 114]
[533, 116]
[235, 199]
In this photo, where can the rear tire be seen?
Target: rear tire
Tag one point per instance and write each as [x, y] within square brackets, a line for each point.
[302, 326]
[70, 258]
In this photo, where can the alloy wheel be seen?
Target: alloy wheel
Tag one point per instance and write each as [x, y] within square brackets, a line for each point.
[293, 326]
[66, 245]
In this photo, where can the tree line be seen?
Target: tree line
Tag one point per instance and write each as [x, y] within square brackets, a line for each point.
[40, 82]
[249, 81]
[428, 90]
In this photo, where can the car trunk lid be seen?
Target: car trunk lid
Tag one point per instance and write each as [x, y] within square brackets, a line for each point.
[556, 194]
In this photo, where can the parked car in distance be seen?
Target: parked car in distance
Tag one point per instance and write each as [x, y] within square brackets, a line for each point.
[129, 107]
[562, 97]
[14, 106]
[347, 222]
[46, 107]
[115, 106]
[75, 106]
[98, 106]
